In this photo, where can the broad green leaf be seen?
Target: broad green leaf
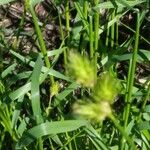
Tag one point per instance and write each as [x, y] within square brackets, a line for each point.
[8, 70]
[35, 93]
[49, 128]
[20, 91]
[25, 88]
[16, 112]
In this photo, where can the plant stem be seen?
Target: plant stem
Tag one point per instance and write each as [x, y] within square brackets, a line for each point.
[40, 144]
[96, 37]
[117, 33]
[112, 30]
[132, 73]
[122, 131]
[85, 9]
[62, 38]
[69, 143]
[95, 65]
[107, 37]
[67, 18]
[67, 15]
[96, 27]
[130, 80]
[41, 41]
[127, 86]
[91, 37]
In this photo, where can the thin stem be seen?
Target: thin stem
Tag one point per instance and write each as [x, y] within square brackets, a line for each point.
[95, 65]
[117, 33]
[67, 18]
[130, 80]
[96, 37]
[85, 9]
[112, 30]
[91, 37]
[122, 131]
[107, 37]
[108, 32]
[127, 86]
[62, 38]
[112, 136]
[69, 143]
[70, 139]
[41, 41]
[40, 144]
[96, 27]
[132, 74]
[75, 144]
[126, 95]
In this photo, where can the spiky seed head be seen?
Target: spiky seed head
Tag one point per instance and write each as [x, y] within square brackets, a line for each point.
[106, 88]
[93, 111]
[81, 69]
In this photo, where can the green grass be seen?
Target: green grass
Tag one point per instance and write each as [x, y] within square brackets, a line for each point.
[90, 90]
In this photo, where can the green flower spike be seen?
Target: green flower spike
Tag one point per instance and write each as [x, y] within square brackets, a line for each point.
[81, 69]
[93, 111]
[106, 88]
[54, 89]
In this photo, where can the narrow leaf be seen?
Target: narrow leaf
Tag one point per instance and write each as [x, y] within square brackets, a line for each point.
[49, 128]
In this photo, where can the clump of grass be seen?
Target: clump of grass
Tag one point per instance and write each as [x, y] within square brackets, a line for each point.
[41, 90]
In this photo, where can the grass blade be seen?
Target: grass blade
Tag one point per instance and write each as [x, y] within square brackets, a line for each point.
[49, 128]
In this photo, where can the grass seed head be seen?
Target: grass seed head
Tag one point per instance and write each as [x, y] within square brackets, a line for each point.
[106, 88]
[93, 111]
[81, 69]
[54, 89]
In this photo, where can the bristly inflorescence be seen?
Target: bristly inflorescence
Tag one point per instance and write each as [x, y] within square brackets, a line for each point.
[104, 90]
